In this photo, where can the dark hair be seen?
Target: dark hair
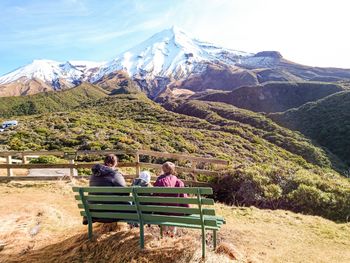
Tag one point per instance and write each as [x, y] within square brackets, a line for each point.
[111, 160]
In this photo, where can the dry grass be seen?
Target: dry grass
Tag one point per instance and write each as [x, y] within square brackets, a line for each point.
[283, 236]
[15, 172]
[40, 223]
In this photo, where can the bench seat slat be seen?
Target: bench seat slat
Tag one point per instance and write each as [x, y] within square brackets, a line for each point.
[181, 225]
[174, 209]
[174, 200]
[112, 207]
[218, 218]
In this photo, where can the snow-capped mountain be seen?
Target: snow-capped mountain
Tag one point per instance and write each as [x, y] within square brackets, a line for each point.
[169, 53]
[51, 72]
[169, 62]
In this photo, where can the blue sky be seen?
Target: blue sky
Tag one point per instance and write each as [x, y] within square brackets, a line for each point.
[312, 32]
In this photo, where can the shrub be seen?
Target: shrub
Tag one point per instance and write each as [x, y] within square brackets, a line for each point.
[46, 159]
[299, 190]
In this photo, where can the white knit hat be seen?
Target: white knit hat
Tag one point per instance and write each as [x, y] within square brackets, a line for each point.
[146, 176]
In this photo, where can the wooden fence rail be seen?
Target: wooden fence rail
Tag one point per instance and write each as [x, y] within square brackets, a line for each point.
[72, 165]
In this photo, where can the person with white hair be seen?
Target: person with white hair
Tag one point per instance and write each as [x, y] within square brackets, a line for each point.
[143, 180]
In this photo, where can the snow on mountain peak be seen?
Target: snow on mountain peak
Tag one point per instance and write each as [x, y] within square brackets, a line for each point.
[168, 53]
[51, 71]
[43, 69]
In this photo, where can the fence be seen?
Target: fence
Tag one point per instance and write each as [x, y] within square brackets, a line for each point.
[22, 163]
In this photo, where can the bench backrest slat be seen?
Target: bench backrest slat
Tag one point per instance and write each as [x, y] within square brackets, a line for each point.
[174, 200]
[110, 207]
[111, 215]
[172, 190]
[106, 198]
[99, 189]
[146, 190]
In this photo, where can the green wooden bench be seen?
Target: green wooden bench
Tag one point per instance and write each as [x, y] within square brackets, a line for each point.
[138, 205]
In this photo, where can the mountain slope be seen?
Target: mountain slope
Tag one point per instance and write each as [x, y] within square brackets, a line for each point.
[273, 60]
[229, 116]
[269, 165]
[50, 101]
[45, 75]
[273, 96]
[326, 121]
[252, 128]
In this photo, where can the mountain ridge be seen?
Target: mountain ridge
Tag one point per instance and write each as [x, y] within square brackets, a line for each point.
[167, 61]
[272, 96]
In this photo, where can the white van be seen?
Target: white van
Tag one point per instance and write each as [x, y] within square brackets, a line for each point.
[7, 124]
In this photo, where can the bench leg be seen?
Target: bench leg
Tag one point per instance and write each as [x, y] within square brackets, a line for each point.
[214, 239]
[142, 237]
[90, 229]
[203, 243]
[161, 231]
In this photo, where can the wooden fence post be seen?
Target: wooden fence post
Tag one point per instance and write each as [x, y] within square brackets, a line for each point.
[194, 166]
[137, 161]
[71, 161]
[24, 158]
[9, 161]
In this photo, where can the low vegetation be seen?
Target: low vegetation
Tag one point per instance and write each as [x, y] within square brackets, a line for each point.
[301, 190]
[49, 101]
[326, 121]
[256, 126]
[248, 140]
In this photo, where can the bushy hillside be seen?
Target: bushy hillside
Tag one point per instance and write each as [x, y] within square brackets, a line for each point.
[49, 101]
[327, 121]
[131, 121]
[255, 126]
[274, 96]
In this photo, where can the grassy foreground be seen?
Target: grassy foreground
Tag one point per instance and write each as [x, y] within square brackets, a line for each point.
[41, 223]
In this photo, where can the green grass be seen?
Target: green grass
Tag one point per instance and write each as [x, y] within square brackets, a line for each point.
[49, 101]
